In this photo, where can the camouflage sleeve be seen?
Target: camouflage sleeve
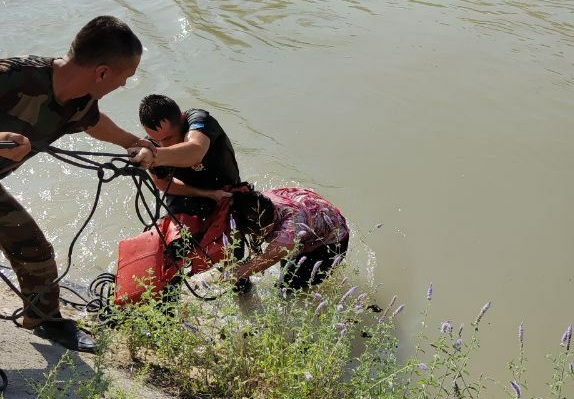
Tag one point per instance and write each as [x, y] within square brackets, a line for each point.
[10, 82]
[91, 118]
[85, 118]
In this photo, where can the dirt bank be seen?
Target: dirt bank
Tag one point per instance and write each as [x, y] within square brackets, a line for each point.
[27, 359]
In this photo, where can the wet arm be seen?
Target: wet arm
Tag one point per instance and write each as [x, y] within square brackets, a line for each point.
[107, 130]
[188, 153]
[273, 254]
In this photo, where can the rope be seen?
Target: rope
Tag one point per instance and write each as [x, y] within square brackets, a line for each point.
[101, 288]
[79, 159]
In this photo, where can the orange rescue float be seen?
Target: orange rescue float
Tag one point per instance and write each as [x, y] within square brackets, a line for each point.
[147, 257]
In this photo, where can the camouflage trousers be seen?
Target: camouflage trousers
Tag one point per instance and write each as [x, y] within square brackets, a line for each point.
[32, 258]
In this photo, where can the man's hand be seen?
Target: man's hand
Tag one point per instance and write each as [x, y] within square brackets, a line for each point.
[144, 143]
[142, 156]
[17, 153]
[218, 195]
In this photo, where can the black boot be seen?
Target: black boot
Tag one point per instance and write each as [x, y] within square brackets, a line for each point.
[67, 333]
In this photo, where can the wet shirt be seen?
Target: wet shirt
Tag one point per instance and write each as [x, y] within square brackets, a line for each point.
[217, 169]
[28, 106]
[219, 166]
[303, 216]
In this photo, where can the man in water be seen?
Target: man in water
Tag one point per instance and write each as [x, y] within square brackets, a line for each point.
[195, 160]
[41, 99]
[195, 163]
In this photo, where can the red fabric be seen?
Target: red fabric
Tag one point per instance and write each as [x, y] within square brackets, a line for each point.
[145, 256]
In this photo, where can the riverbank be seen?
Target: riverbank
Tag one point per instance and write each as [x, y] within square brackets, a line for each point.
[28, 360]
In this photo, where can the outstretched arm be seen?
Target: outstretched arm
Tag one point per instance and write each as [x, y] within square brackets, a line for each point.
[107, 130]
[273, 254]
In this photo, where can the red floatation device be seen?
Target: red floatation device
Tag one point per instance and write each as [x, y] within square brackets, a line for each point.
[157, 255]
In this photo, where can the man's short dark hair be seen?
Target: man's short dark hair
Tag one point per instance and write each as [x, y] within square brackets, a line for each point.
[104, 40]
[252, 211]
[156, 108]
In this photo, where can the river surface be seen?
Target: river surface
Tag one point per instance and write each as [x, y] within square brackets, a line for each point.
[442, 129]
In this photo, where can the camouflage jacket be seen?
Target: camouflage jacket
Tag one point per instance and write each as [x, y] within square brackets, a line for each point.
[28, 106]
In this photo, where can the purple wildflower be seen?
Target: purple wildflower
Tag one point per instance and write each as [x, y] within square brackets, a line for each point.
[457, 344]
[423, 367]
[190, 327]
[429, 292]
[337, 260]
[482, 312]
[398, 310]
[446, 327]
[315, 268]
[232, 224]
[390, 305]
[348, 294]
[516, 387]
[345, 281]
[308, 376]
[362, 297]
[567, 337]
[320, 307]
[340, 307]
[301, 260]
[284, 292]
[521, 335]
[317, 296]
[340, 326]
[226, 274]
[225, 240]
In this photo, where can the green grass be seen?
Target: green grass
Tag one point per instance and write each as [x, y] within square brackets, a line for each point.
[324, 343]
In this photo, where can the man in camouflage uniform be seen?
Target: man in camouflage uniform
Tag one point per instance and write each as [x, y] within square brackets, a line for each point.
[41, 99]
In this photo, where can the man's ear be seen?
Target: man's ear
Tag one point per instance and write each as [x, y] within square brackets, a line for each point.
[101, 72]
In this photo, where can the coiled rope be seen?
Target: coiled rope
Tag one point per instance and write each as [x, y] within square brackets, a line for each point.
[102, 287]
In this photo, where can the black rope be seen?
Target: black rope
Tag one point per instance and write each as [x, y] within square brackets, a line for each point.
[102, 287]
[195, 294]
[80, 161]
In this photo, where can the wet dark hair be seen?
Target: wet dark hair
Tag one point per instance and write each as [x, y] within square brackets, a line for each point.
[252, 211]
[104, 40]
[156, 108]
